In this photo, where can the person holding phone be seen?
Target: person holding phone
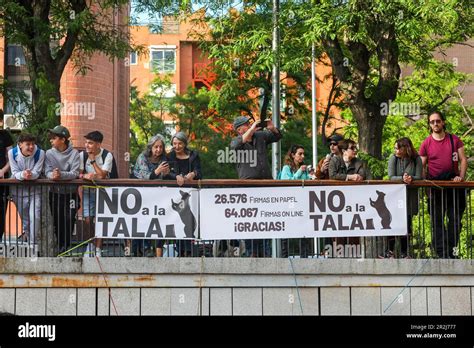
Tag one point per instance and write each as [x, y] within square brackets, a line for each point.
[295, 169]
[151, 164]
[322, 169]
[253, 141]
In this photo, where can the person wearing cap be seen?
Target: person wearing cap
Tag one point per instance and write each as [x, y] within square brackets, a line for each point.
[322, 169]
[62, 163]
[253, 140]
[185, 166]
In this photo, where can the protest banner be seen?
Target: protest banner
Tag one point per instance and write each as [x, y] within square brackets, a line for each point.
[146, 213]
[299, 212]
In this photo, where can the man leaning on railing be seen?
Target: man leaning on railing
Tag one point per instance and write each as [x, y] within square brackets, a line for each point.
[95, 163]
[62, 163]
[441, 154]
[26, 163]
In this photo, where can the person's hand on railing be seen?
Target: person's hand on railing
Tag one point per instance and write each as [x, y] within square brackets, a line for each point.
[2, 174]
[190, 176]
[56, 174]
[458, 178]
[407, 179]
[354, 177]
[89, 176]
[180, 180]
[27, 174]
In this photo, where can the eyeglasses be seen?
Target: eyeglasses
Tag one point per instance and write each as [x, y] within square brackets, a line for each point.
[332, 144]
[353, 148]
[435, 121]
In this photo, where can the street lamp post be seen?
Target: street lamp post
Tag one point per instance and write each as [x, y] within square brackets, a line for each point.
[275, 98]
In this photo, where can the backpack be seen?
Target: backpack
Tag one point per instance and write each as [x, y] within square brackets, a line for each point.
[113, 173]
[36, 156]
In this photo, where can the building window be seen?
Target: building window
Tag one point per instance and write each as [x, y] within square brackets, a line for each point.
[166, 92]
[163, 60]
[15, 55]
[133, 58]
[18, 102]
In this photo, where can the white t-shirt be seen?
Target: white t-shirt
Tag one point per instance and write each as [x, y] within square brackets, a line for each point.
[104, 165]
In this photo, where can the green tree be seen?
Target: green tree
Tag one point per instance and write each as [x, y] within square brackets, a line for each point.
[52, 33]
[147, 113]
[368, 40]
[208, 132]
[240, 46]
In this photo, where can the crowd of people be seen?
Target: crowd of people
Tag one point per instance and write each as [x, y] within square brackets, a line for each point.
[440, 157]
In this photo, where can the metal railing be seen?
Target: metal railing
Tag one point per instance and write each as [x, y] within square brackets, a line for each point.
[46, 218]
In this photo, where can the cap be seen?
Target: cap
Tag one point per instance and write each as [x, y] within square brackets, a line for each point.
[335, 137]
[61, 131]
[241, 120]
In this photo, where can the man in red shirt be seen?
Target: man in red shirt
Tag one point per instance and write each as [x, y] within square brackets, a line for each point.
[441, 154]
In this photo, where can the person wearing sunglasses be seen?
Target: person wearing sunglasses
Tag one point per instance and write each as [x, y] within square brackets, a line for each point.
[444, 158]
[322, 170]
[404, 165]
[347, 166]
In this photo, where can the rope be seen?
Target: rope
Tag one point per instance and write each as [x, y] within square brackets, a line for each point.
[96, 257]
[77, 246]
[296, 284]
[107, 285]
[406, 286]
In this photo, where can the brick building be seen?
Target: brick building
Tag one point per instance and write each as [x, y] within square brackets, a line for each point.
[174, 52]
[103, 93]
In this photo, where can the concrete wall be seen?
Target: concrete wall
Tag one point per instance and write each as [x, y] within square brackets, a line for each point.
[216, 286]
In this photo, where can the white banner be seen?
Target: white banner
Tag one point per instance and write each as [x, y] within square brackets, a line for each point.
[298, 212]
[146, 212]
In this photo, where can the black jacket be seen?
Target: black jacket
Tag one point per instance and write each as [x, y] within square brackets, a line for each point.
[194, 165]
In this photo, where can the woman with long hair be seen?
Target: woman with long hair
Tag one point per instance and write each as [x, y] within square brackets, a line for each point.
[295, 169]
[151, 164]
[405, 165]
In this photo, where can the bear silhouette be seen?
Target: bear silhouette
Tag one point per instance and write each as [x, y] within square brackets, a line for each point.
[185, 213]
[381, 208]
